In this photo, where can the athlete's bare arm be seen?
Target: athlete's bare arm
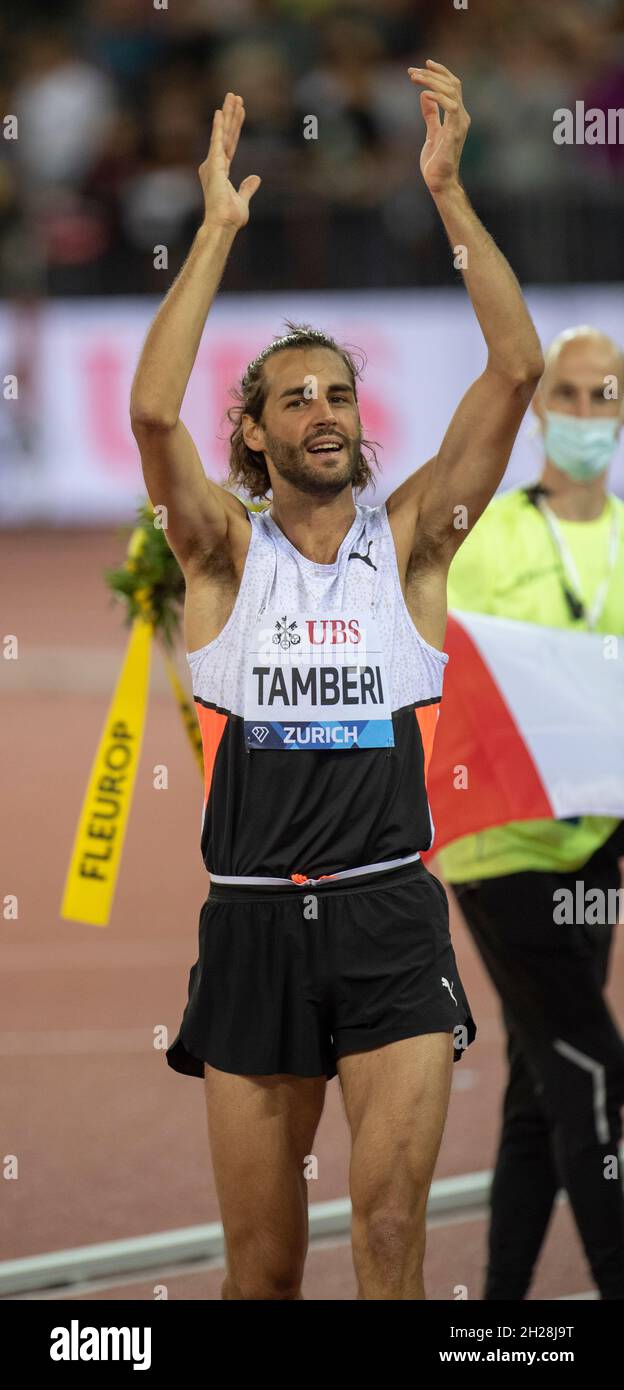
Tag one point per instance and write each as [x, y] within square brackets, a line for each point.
[425, 512]
[203, 519]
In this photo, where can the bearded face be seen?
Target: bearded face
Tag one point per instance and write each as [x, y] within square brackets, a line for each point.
[310, 431]
[321, 466]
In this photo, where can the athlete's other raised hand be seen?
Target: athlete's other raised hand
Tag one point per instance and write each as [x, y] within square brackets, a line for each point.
[224, 206]
[473, 455]
[441, 152]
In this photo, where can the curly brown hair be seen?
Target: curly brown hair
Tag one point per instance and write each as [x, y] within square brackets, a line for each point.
[247, 466]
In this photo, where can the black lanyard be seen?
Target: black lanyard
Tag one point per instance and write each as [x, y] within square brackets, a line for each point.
[576, 608]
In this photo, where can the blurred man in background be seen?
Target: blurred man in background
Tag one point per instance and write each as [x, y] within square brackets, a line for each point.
[552, 554]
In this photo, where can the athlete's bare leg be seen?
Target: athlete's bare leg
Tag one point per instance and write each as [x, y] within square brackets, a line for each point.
[261, 1128]
[396, 1100]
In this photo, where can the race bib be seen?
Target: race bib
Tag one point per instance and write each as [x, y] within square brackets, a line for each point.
[317, 681]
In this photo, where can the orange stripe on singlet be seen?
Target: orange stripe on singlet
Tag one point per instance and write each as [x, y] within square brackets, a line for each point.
[212, 725]
[427, 716]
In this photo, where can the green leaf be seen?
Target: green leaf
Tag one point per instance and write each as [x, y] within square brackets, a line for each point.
[153, 568]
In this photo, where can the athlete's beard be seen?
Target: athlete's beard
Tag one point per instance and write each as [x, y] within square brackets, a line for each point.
[293, 464]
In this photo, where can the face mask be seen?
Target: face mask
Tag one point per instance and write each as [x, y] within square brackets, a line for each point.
[580, 448]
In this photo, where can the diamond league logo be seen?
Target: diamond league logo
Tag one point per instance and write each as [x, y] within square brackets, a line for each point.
[260, 732]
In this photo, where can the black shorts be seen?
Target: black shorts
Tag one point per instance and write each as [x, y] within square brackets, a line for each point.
[287, 981]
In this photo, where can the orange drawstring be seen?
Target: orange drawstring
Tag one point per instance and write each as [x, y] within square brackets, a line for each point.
[303, 878]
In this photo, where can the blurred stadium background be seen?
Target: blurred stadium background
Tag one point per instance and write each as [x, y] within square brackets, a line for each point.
[114, 100]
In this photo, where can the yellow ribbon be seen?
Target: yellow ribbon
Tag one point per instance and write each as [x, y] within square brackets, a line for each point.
[187, 711]
[98, 844]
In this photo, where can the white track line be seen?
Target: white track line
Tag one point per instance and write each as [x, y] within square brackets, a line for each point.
[449, 1199]
[139, 1255]
[199, 1267]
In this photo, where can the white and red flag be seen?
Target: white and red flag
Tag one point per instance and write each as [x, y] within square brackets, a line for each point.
[531, 726]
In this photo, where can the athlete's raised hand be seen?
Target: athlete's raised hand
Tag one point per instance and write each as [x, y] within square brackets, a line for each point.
[439, 160]
[224, 206]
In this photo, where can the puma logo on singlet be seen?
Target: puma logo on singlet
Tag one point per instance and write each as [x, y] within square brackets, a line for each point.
[448, 987]
[367, 561]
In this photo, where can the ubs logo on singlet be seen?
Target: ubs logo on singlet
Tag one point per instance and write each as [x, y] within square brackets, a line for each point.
[317, 681]
[285, 635]
[320, 633]
[335, 632]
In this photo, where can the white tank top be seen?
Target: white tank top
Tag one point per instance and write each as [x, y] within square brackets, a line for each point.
[317, 703]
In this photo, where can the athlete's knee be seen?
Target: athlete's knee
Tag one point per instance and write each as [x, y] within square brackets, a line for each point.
[257, 1274]
[263, 1268]
[388, 1230]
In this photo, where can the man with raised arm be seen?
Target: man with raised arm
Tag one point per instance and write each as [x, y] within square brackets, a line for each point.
[314, 631]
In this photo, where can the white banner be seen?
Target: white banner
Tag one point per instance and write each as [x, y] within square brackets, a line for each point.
[317, 680]
[67, 453]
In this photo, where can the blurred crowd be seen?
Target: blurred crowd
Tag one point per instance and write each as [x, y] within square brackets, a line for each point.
[113, 101]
